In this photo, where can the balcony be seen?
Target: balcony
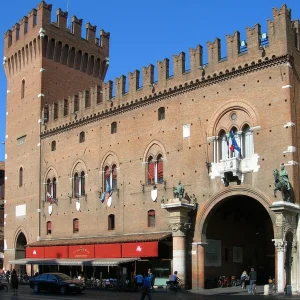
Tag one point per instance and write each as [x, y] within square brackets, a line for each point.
[234, 168]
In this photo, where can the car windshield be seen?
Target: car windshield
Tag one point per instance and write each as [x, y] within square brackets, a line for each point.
[63, 277]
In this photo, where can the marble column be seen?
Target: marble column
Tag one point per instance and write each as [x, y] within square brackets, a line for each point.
[294, 279]
[198, 261]
[280, 246]
[179, 223]
[179, 251]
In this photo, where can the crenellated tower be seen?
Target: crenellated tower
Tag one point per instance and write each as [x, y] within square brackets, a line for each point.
[44, 61]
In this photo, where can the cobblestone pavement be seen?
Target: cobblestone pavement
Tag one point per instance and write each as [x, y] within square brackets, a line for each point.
[227, 293]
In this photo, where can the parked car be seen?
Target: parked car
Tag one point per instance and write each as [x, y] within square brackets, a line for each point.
[56, 282]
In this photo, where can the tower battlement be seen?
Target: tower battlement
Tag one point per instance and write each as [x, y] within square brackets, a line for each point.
[59, 36]
[281, 39]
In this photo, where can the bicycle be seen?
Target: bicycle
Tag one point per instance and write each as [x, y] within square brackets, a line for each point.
[175, 286]
[253, 291]
[272, 286]
[3, 287]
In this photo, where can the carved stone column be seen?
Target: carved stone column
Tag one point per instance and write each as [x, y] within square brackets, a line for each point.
[294, 280]
[280, 246]
[179, 223]
[286, 226]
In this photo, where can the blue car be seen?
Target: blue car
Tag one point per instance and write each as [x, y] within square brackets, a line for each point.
[56, 282]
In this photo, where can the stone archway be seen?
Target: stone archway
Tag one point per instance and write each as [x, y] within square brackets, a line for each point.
[21, 242]
[234, 201]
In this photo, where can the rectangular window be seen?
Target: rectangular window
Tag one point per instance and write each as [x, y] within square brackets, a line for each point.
[55, 112]
[66, 107]
[99, 95]
[76, 104]
[87, 99]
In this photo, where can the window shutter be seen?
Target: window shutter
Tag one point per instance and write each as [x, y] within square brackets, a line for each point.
[75, 225]
[107, 173]
[114, 173]
[82, 183]
[160, 170]
[49, 226]
[151, 168]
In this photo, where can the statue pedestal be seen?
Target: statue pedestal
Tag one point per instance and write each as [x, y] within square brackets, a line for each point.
[178, 223]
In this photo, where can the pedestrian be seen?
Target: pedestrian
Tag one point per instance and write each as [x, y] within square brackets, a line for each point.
[14, 282]
[244, 277]
[253, 278]
[151, 276]
[146, 287]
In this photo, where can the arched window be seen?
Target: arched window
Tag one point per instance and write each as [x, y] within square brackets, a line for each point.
[161, 113]
[51, 190]
[82, 183]
[232, 151]
[113, 127]
[76, 185]
[75, 225]
[223, 144]
[111, 222]
[79, 185]
[78, 59]
[54, 188]
[155, 170]
[81, 137]
[151, 218]
[49, 229]
[247, 142]
[114, 177]
[21, 177]
[65, 54]
[23, 89]
[85, 62]
[58, 48]
[72, 57]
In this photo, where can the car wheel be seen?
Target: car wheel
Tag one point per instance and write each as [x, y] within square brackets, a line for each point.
[62, 290]
[36, 288]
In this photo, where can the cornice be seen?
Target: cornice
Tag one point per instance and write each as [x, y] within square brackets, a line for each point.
[171, 92]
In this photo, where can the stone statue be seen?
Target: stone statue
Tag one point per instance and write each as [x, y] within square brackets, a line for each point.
[282, 183]
[178, 191]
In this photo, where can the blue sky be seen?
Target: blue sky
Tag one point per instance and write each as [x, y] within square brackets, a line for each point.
[143, 32]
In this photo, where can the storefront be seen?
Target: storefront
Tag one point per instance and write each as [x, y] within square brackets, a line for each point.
[97, 261]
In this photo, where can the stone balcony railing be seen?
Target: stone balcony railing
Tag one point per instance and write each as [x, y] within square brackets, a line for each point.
[236, 166]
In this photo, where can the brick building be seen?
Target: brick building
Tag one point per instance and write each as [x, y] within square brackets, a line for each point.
[91, 175]
[2, 176]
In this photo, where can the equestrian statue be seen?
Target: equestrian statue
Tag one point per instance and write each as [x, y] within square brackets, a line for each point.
[282, 184]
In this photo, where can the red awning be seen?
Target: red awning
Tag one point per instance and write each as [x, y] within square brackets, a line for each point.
[143, 249]
[35, 252]
[56, 252]
[107, 250]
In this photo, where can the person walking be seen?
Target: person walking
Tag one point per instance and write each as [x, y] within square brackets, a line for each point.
[244, 277]
[253, 278]
[146, 287]
[14, 282]
[151, 276]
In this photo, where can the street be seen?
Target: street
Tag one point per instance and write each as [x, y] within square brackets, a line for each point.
[226, 293]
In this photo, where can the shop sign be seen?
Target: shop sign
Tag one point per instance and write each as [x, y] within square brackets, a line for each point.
[82, 251]
[35, 252]
[143, 249]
